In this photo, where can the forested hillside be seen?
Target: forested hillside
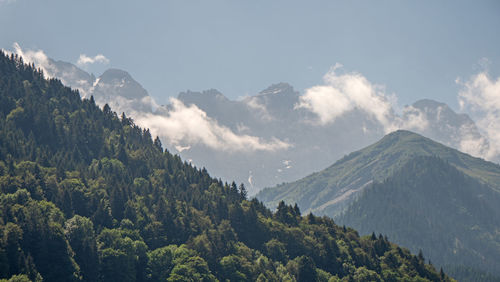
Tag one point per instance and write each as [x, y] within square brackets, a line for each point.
[430, 205]
[87, 195]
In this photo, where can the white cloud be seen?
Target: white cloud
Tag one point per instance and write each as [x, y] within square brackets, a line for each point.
[342, 93]
[254, 104]
[326, 102]
[38, 57]
[84, 60]
[480, 95]
[475, 145]
[188, 125]
[412, 119]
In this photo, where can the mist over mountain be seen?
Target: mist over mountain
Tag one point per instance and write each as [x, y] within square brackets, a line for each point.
[450, 128]
[114, 87]
[273, 113]
[275, 136]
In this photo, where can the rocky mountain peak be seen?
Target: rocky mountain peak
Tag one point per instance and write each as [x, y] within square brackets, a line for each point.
[278, 88]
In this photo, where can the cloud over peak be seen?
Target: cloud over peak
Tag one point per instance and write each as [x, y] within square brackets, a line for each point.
[342, 93]
[184, 126]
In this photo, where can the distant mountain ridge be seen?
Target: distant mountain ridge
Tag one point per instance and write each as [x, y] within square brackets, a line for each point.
[448, 127]
[114, 86]
[272, 114]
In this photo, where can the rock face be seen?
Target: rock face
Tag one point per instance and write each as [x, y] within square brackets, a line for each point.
[118, 89]
[72, 76]
[445, 125]
[115, 82]
[114, 87]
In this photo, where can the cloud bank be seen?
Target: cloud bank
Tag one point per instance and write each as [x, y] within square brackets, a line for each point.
[183, 126]
[180, 126]
[480, 96]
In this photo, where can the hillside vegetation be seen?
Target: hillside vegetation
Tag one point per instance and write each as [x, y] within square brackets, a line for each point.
[87, 195]
[331, 190]
[430, 205]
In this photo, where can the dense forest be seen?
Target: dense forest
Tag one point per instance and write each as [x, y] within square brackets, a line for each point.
[430, 205]
[88, 195]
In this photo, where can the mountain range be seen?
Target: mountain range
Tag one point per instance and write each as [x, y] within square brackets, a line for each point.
[273, 114]
[265, 139]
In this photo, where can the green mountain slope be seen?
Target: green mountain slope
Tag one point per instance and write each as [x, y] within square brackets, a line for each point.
[431, 206]
[86, 195]
[331, 190]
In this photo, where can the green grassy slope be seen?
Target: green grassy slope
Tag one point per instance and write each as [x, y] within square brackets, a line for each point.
[329, 191]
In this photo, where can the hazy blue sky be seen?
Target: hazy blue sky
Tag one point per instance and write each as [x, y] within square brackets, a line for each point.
[416, 49]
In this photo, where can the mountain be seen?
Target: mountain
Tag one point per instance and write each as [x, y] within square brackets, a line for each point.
[333, 189]
[422, 194]
[86, 195]
[273, 113]
[446, 126]
[118, 89]
[70, 74]
[114, 87]
[115, 82]
[430, 205]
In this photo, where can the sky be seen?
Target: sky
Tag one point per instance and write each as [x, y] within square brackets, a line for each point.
[415, 49]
